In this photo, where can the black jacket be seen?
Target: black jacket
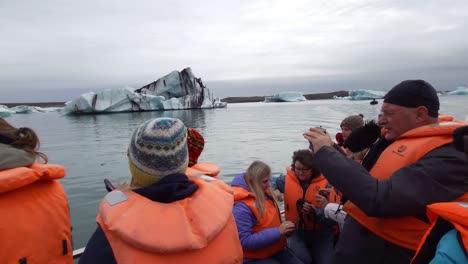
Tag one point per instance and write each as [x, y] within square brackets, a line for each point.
[441, 175]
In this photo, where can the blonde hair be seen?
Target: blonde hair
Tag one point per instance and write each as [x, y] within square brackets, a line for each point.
[257, 171]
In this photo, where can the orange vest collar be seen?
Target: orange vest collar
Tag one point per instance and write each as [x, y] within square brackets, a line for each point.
[15, 178]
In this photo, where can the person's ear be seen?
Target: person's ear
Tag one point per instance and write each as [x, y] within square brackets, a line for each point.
[422, 114]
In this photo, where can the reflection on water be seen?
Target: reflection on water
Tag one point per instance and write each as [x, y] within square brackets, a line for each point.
[93, 147]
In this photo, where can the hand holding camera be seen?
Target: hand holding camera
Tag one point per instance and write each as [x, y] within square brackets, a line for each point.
[307, 207]
[317, 137]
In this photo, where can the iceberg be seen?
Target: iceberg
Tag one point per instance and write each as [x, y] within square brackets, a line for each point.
[177, 90]
[362, 94]
[459, 91]
[25, 109]
[286, 97]
[5, 111]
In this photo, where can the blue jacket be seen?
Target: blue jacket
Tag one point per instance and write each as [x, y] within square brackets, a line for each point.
[449, 250]
[246, 220]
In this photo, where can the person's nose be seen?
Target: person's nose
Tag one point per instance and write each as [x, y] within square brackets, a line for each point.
[382, 120]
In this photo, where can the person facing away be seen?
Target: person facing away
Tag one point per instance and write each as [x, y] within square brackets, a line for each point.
[414, 168]
[35, 218]
[261, 232]
[447, 239]
[165, 217]
[313, 238]
[196, 143]
[358, 143]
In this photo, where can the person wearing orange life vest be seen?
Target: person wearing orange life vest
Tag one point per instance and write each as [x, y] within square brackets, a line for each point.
[359, 141]
[29, 192]
[166, 217]
[196, 143]
[386, 209]
[447, 239]
[314, 236]
[261, 231]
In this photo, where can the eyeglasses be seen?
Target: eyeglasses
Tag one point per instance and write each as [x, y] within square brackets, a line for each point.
[301, 170]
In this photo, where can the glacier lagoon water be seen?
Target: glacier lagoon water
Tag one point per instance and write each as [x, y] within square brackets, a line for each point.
[93, 147]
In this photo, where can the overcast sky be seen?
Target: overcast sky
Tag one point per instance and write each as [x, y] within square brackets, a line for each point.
[55, 50]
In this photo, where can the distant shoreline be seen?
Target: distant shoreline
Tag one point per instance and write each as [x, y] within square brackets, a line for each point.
[240, 99]
[317, 96]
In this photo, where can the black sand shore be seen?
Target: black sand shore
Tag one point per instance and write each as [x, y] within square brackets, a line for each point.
[246, 99]
[317, 96]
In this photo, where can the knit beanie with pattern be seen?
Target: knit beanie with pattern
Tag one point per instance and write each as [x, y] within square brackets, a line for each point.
[353, 122]
[158, 148]
[196, 143]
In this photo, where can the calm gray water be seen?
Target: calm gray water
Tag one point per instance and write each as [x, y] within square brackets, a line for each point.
[93, 148]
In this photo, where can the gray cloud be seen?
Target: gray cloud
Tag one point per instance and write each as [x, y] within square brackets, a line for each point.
[316, 45]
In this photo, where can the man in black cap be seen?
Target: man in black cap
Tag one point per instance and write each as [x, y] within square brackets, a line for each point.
[412, 166]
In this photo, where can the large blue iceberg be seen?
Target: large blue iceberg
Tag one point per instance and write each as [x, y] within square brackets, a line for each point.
[177, 90]
[285, 97]
[362, 94]
[459, 91]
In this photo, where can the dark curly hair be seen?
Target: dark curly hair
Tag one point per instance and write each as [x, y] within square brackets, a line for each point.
[306, 158]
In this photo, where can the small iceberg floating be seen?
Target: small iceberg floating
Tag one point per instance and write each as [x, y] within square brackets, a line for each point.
[459, 91]
[285, 97]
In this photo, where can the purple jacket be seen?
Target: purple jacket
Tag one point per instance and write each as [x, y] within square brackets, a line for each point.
[246, 220]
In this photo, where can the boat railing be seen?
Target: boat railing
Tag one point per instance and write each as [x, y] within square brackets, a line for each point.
[78, 252]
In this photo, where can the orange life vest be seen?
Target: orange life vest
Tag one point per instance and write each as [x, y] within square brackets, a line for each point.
[293, 192]
[404, 231]
[445, 118]
[203, 168]
[271, 218]
[335, 196]
[454, 212]
[197, 229]
[34, 216]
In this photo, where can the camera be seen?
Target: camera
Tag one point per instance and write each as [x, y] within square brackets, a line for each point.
[321, 129]
[311, 146]
[300, 203]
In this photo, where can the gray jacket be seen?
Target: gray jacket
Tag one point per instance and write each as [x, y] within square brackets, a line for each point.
[11, 157]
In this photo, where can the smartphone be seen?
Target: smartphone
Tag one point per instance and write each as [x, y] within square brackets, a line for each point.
[311, 147]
